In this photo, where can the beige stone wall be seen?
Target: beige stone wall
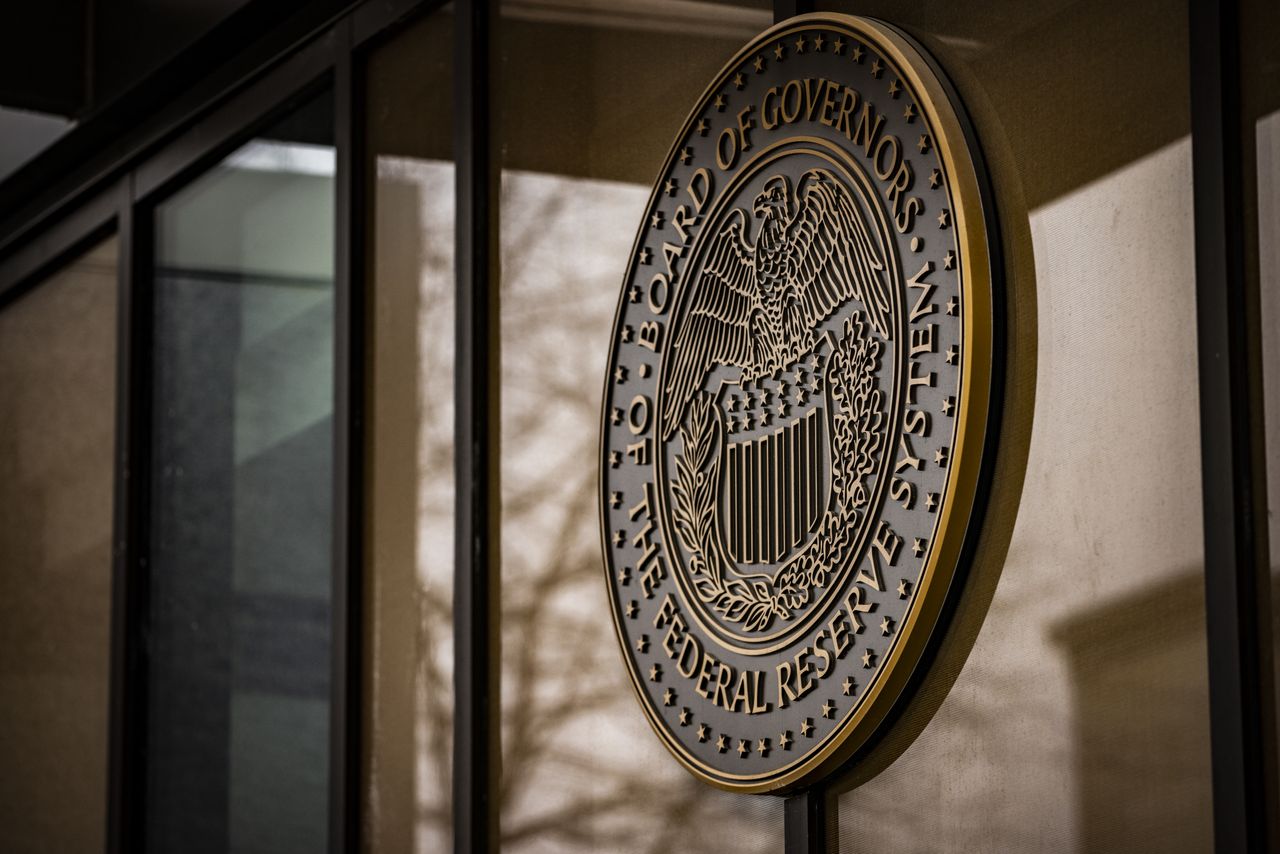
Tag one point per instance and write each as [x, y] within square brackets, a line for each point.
[57, 434]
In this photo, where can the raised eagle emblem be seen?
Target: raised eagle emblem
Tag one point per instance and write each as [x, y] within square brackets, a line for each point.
[766, 517]
[757, 306]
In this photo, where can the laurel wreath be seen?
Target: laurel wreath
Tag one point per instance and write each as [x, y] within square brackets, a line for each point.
[857, 440]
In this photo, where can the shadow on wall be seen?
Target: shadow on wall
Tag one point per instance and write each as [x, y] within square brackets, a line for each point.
[1138, 697]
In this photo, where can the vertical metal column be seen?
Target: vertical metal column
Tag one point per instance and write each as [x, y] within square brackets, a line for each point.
[128, 706]
[347, 609]
[805, 822]
[1237, 583]
[476, 640]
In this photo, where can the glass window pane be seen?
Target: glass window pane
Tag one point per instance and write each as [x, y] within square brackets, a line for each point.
[582, 770]
[1079, 720]
[57, 437]
[409, 521]
[241, 492]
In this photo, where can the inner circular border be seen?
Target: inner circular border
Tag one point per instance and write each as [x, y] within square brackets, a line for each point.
[810, 145]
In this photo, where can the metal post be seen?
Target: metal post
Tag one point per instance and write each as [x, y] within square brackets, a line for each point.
[127, 762]
[346, 693]
[1237, 583]
[476, 650]
[805, 822]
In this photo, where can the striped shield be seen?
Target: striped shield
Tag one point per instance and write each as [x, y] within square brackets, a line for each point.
[775, 489]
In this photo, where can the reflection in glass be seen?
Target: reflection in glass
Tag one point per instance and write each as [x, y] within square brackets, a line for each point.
[1267, 130]
[241, 491]
[581, 769]
[1079, 721]
[409, 488]
[57, 434]
[1260, 30]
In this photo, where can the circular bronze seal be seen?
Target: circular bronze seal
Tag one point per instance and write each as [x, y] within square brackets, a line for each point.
[798, 401]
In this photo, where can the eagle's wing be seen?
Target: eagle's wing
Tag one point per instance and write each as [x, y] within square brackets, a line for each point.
[834, 255]
[716, 329]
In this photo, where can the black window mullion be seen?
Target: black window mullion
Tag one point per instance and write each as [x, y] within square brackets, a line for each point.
[1237, 578]
[347, 609]
[806, 818]
[476, 429]
[128, 707]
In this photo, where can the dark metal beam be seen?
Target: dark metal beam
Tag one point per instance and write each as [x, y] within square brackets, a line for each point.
[373, 20]
[476, 429]
[1237, 583]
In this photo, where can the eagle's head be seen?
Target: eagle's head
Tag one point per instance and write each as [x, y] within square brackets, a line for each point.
[774, 201]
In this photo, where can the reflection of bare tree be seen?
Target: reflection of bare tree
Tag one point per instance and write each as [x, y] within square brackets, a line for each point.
[436, 706]
[410, 519]
[581, 769]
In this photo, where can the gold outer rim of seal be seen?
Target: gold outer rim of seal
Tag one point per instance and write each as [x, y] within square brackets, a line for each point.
[966, 461]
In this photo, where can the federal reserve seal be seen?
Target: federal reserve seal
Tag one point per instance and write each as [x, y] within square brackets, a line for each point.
[798, 403]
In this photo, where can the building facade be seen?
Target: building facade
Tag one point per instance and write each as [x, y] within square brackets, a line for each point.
[302, 338]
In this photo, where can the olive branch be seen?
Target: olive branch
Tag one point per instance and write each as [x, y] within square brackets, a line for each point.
[738, 600]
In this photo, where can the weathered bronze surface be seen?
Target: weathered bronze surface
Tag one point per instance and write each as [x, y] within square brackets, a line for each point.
[797, 402]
